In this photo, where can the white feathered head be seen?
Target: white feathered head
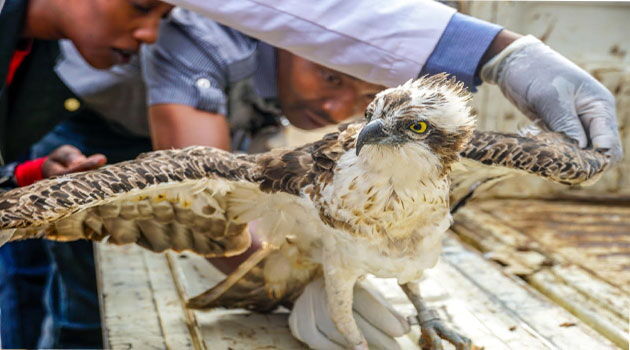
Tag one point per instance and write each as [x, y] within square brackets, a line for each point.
[431, 112]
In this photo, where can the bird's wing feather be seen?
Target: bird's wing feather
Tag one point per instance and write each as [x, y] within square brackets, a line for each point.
[548, 154]
[167, 199]
[491, 157]
[196, 198]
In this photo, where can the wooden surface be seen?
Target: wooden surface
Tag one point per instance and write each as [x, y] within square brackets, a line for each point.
[143, 299]
[575, 253]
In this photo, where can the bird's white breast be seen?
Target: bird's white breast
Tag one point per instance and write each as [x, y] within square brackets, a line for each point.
[396, 207]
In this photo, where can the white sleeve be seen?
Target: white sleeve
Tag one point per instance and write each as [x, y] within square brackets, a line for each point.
[383, 42]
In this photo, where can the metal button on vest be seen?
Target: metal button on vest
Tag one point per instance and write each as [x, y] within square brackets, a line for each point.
[202, 83]
[71, 104]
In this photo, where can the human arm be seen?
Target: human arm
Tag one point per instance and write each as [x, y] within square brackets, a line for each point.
[187, 73]
[540, 82]
[178, 126]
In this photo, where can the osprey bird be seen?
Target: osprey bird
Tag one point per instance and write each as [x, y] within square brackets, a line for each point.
[372, 198]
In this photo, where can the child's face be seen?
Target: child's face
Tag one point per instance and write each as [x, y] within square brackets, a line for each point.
[109, 32]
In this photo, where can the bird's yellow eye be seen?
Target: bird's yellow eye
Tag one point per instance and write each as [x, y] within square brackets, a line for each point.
[418, 127]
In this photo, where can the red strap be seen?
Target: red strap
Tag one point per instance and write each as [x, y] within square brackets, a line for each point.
[16, 60]
[29, 172]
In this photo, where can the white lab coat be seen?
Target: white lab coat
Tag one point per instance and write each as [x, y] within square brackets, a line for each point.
[381, 41]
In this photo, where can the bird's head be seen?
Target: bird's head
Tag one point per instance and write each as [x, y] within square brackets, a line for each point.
[430, 115]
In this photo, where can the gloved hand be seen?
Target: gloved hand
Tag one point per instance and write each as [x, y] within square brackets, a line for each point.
[379, 322]
[545, 85]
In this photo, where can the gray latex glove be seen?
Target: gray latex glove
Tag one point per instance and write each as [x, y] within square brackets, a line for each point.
[379, 322]
[546, 86]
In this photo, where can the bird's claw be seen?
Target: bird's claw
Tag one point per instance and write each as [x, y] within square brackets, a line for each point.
[433, 330]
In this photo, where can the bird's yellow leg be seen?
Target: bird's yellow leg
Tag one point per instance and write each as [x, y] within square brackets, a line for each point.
[432, 328]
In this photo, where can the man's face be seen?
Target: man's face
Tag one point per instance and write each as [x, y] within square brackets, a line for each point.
[312, 96]
[109, 32]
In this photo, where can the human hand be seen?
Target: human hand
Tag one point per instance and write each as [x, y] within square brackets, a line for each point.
[546, 86]
[68, 159]
[378, 321]
[227, 265]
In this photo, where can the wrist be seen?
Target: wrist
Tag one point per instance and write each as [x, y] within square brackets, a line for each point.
[29, 172]
[490, 70]
[500, 42]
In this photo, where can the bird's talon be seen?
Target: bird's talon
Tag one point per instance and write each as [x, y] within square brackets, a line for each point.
[432, 333]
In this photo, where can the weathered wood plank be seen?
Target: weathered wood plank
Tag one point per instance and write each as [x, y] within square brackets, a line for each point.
[597, 272]
[471, 311]
[471, 294]
[177, 326]
[129, 314]
[537, 313]
[594, 237]
[581, 305]
[600, 292]
[229, 329]
[502, 233]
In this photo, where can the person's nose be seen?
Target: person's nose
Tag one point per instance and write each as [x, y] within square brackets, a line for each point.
[147, 32]
[338, 108]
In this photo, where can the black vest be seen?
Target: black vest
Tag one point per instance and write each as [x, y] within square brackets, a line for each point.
[37, 99]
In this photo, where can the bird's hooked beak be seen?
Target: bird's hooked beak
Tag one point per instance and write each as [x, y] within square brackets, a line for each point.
[372, 132]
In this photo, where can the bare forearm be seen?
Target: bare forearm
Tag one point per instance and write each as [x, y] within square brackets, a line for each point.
[177, 126]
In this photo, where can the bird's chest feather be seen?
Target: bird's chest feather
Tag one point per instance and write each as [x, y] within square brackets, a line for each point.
[385, 216]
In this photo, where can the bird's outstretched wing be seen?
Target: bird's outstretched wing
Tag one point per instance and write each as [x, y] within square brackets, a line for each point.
[550, 155]
[198, 198]
[175, 199]
[491, 157]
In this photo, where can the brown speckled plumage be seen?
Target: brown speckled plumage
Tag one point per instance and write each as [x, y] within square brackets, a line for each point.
[53, 199]
[549, 155]
[280, 170]
[180, 199]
